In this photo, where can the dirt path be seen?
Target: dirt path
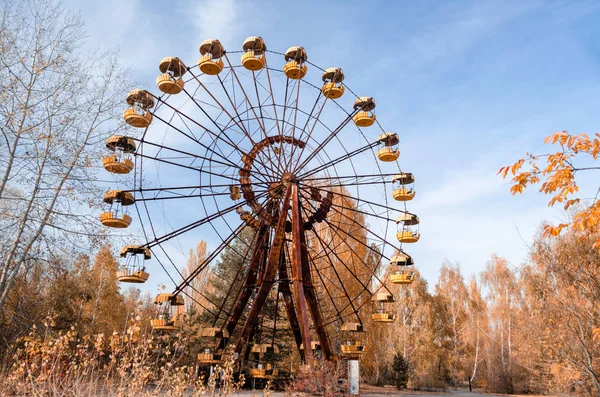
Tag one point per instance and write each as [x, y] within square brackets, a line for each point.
[374, 391]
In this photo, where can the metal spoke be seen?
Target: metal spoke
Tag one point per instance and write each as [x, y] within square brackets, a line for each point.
[339, 160]
[362, 200]
[325, 142]
[193, 225]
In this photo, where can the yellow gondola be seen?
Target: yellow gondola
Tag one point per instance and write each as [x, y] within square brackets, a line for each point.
[384, 297]
[213, 332]
[209, 358]
[408, 231]
[353, 345]
[389, 152]
[365, 117]
[403, 186]
[170, 81]
[401, 259]
[402, 278]
[166, 319]
[254, 48]
[314, 345]
[332, 79]
[133, 269]
[295, 68]
[263, 348]
[120, 161]
[209, 337]
[210, 62]
[403, 194]
[381, 314]
[407, 236]
[137, 115]
[261, 372]
[405, 275]
[110, 219]
[116, 217]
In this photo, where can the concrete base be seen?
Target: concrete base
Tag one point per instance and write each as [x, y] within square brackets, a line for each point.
[353, 377]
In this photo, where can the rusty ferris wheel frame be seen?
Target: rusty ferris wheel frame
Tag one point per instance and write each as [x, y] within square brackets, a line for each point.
[261, 154]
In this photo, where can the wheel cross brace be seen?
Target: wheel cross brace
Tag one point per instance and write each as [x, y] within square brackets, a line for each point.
[299, 300]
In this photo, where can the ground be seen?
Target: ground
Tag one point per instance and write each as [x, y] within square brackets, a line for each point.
[374, 391]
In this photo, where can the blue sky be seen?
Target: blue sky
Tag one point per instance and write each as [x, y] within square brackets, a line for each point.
[468, 86]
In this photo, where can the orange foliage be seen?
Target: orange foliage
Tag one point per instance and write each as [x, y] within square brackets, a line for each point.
[557, 177]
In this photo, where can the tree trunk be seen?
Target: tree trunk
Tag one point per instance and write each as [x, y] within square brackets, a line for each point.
[472, 377]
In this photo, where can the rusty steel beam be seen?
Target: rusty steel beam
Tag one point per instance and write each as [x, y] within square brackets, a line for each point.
[298, 273]
[288, 300]
[308, 287]
[247, 285]
[269, 275]
[246, 354]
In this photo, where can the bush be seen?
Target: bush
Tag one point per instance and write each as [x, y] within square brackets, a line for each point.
[320, 380]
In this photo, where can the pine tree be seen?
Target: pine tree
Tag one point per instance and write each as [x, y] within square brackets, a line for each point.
[400, 370]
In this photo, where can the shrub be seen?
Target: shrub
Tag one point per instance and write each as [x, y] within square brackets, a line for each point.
[322, 379]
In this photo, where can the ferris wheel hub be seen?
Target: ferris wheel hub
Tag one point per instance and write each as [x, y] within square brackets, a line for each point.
[287, 178]
[276, 189]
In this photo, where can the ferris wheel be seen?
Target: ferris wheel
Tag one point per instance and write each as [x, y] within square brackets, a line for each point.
[268, 150]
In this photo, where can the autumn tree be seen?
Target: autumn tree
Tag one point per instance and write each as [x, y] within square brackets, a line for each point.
[26, 304]
[504, 299]
[566, 285]
[199, 284]
[476, 330]
[80, 292]
[452, 290]
[557, 173]
[562, 294]
[87, 296]
[104, 311]
[421, 334]
[57, 106]
[340, 248]
[412, 307]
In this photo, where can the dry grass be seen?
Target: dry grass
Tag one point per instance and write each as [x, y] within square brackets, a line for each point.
[127, 364]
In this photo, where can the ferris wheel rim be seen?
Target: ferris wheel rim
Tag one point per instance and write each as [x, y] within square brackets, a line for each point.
[225, 158]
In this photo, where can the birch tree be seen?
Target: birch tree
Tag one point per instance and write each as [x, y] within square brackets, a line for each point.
[477, 329]
[504, 297]
[199, 283]
[57, 106]
[451, 288]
